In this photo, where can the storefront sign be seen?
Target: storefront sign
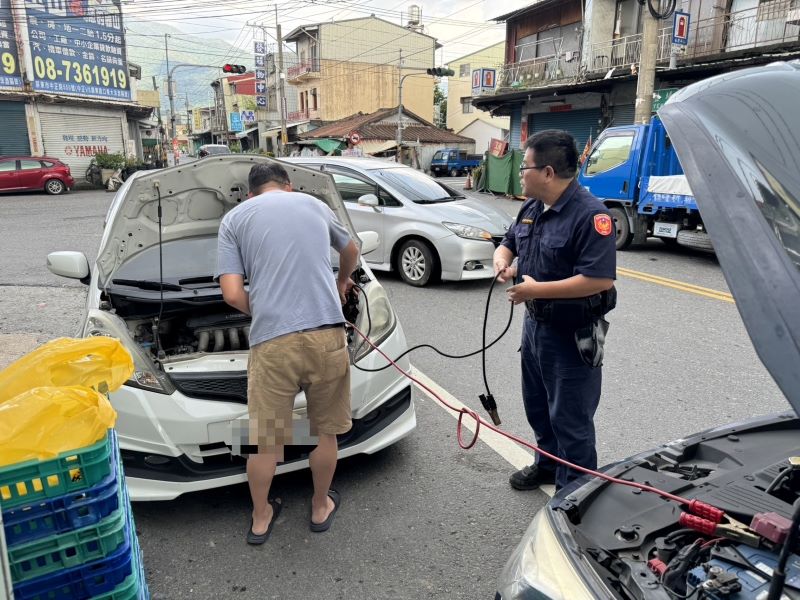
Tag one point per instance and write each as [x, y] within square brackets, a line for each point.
[9, 57]
[560, 107]
[498, 147]
[680, 28]
[248, 117]
[236, 122]
[85, 145]
[197, 120]
[483, 81]
[78, 48]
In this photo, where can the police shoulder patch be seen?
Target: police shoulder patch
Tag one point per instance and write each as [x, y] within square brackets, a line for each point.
[603, 224]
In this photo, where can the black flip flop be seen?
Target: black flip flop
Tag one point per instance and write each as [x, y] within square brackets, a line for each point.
[326, 524]
[255, 539]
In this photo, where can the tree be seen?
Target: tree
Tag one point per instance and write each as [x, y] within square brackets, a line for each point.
[440, 106]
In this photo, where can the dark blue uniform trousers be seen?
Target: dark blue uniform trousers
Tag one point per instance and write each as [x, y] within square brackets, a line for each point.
[561, 394]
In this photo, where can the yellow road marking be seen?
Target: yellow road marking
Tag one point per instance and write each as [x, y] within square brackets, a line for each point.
[677, 285]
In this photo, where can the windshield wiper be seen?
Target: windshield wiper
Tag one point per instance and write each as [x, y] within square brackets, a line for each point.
[145, 284]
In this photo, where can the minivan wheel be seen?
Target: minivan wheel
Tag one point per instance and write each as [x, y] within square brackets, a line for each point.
[453, 172]
[55, 187]
[416, 263]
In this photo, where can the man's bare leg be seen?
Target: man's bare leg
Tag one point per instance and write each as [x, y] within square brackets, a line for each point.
[260, 471]
[323, 466]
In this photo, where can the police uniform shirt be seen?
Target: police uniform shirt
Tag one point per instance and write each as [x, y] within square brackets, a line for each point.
[575, 236]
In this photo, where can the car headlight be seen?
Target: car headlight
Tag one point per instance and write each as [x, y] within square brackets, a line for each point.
[468, 231]
[377, 322]
[539, 567]
[145, 373]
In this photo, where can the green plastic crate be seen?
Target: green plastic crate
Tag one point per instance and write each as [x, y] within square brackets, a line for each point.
[40, 557]
[70, 471]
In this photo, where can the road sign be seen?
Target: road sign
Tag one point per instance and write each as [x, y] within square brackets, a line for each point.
[661, 96]
[354, 138]
[260, 48]
[680, 28]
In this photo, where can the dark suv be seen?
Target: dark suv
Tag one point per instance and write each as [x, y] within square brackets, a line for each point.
[23, 173]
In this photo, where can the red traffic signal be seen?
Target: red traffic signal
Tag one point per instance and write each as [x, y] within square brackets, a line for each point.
[228, 68]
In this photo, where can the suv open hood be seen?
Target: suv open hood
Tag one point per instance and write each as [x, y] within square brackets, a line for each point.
[738, 139]
[194, 198]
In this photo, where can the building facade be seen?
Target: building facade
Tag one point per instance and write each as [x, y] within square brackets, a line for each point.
[66, 88]
[464, 118]
[355, 65]
[574, 65]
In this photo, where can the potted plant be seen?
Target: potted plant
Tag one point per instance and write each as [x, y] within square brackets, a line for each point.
[109, 163]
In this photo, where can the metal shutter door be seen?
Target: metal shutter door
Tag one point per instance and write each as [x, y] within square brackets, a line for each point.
[579, 123]
[516, 128]
[14, 133]
[74, 152]
[623, 114]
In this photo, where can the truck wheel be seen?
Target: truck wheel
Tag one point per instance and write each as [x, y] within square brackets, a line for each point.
[453, 172]
[624, 234]
[698, 240]
[417, 263]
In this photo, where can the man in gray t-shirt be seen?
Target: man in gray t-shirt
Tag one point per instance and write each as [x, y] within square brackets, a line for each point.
[280, 241]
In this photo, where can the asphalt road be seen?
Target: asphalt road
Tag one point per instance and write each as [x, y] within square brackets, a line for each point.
[423, 518]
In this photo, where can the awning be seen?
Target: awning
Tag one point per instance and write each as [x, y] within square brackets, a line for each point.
[271, 131]
[376, 146]
[328, 145]
[147, 142]
[246, 132]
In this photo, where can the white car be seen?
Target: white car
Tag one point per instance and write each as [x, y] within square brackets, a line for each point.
[427, 230]
[179, 412]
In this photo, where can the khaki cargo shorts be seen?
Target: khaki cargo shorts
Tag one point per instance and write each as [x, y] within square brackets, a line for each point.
[316, 362]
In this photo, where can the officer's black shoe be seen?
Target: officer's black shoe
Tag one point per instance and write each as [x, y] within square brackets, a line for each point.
[530, 478]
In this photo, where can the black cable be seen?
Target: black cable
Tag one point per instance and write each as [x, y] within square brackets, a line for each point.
[779, 574]
[481, 350]
[157, 330]
[665, 14]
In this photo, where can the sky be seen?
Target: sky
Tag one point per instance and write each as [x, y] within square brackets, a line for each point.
[462, 26]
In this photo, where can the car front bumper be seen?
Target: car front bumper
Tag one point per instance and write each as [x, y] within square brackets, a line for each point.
[463, 259]
[172, 444]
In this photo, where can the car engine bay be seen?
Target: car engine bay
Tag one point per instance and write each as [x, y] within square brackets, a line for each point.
[643, 546]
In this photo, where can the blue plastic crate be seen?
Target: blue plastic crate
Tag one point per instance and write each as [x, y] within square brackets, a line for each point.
[65, 513]
[81, 582]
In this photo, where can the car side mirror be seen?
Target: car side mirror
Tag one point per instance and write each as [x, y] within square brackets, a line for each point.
[369, 200]
[370, 240]
[73, 265]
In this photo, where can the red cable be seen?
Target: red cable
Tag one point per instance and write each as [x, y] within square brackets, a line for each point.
[695, 506]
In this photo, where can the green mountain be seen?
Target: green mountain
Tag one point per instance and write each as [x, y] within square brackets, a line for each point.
[146, 48]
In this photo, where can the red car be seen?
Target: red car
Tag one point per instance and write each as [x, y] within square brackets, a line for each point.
[21, 173]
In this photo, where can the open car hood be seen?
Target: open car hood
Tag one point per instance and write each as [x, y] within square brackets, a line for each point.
[738, 139]
[194, 198]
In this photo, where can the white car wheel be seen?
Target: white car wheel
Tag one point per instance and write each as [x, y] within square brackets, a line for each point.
[416, 263]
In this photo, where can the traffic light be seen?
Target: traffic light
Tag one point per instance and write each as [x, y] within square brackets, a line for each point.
[440, 72]
[233, 68]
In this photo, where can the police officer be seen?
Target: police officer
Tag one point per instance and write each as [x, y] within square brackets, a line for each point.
[564, 271]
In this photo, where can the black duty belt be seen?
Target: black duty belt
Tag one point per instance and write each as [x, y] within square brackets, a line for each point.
[572, 313]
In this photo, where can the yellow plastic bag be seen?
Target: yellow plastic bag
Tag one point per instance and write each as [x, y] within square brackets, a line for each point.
[43, 422]
[53, 399]
[101, 363]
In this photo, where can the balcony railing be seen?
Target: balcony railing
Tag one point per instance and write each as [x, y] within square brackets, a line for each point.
[770, 23]
[304, 69]
[774, 22]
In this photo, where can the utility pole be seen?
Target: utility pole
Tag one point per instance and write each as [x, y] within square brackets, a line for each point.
[400, 78]
[169, 92]
[281, 86]
[647, 69]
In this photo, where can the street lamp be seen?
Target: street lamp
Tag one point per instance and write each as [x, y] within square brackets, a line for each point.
[433, 71]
